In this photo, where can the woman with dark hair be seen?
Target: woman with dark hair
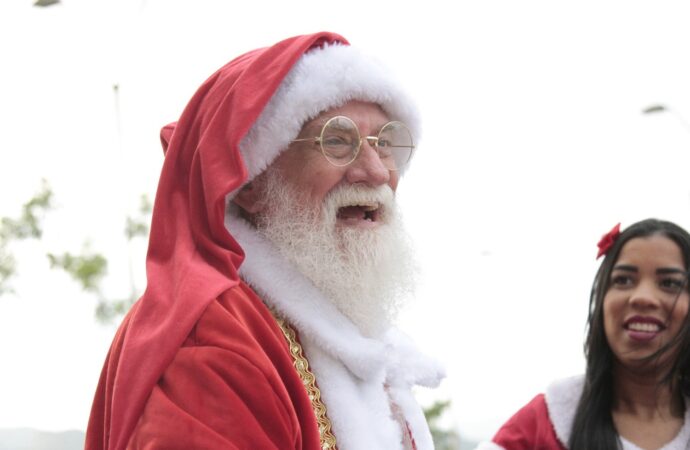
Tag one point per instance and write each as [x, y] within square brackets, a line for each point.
[636, 386]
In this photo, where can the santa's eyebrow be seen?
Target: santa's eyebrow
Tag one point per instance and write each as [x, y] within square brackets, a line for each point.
[318, 122]
[625, 268]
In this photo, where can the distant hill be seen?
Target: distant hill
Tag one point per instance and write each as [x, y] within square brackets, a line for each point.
[30, 439]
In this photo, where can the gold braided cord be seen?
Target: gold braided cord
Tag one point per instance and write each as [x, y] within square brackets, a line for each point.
[300, 362]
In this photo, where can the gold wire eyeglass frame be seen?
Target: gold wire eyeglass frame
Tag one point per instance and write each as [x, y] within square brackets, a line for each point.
[373, 141]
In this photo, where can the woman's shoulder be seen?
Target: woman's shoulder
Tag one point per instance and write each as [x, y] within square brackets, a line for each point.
[530, 427]
[544, 422]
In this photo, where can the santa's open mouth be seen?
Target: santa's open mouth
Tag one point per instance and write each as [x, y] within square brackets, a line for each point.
[362, 213]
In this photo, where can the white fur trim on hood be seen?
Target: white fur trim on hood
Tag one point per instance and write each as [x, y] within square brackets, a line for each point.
[322, 79]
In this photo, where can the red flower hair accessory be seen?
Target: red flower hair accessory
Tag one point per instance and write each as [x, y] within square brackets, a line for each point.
[607, 240]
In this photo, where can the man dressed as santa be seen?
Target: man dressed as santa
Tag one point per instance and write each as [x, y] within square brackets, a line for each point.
[275, 268]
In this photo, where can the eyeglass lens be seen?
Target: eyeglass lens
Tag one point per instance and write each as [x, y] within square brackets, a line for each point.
[340, 142]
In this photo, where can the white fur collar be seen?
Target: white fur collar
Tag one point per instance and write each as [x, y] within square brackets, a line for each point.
[562, 398]
[333, 343]
[293, 296]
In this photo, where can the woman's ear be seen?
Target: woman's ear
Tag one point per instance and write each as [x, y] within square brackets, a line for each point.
[249, 199]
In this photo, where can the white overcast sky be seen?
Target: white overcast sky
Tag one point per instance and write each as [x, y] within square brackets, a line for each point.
[534, 145]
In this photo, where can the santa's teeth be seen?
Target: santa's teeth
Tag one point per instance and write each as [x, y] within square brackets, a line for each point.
[645, 327]
[367, 206]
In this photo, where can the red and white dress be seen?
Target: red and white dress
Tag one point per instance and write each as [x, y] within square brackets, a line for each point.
[545, 422]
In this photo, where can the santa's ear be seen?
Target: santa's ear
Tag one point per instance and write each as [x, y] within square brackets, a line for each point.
[249, 199]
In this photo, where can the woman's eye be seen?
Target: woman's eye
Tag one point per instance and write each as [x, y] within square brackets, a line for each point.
[621, 280]
[673, 284]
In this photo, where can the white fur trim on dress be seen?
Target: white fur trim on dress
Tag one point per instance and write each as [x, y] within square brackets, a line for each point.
[323, 78]
[351, 370]
[562, 398]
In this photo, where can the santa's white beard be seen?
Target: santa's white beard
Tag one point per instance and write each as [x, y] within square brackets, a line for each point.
[366, 272]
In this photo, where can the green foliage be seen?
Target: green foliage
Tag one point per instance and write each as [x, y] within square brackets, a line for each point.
[88, 268]
[139, 226]
[8, 267]
[107, 310]
[444, 439]
[436, 410]
[27, 226]
[135, 227]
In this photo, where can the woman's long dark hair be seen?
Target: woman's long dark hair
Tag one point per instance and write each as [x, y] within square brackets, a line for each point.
[593, 427]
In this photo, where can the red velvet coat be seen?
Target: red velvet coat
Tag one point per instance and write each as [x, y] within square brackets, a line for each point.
[251, 395]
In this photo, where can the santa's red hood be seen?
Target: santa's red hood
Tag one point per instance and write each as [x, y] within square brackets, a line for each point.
[191, 258]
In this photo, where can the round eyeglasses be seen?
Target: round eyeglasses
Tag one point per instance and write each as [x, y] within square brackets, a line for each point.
[340, 142]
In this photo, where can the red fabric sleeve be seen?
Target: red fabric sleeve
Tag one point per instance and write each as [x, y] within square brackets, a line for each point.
[232, 385]
[530, 428]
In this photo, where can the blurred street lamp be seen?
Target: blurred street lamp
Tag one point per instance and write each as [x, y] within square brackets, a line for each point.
[652, 109]
[46, 2]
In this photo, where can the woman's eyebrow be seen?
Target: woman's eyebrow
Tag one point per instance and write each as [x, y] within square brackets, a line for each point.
[659, 271]
[668, 270]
